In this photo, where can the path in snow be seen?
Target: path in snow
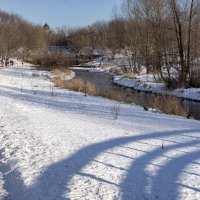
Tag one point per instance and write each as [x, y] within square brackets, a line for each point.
[58, 144]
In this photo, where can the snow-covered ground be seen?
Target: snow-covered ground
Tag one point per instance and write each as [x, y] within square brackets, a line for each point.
[143, 82]
[57, 144]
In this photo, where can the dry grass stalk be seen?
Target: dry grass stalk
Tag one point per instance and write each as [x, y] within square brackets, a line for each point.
[90, 89]
[56, 72]
[59, 83]
[115, 111]
[76, 85]
[59, 71]
[169, 105]
[67, 72]
[117, 95]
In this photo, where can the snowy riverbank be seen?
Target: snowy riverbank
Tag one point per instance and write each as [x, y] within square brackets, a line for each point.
[142, 82]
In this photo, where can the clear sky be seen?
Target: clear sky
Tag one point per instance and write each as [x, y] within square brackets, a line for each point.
[61, 12]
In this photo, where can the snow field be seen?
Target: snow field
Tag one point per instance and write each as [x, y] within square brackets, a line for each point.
[62, 145]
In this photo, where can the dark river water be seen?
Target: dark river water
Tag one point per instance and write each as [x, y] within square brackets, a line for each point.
[104, 83]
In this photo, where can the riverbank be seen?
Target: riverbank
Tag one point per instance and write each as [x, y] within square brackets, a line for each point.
[168, 104]
[141, 82]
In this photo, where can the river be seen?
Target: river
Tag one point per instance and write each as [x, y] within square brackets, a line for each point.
[104, 82]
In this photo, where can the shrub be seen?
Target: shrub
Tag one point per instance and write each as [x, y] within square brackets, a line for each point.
[115, 111]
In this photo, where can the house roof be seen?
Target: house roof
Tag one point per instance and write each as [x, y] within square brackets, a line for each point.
[46, 27]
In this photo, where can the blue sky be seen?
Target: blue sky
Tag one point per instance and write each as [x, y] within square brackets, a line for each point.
[61, 12]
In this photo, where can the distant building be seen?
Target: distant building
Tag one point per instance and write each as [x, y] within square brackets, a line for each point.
[46, 27]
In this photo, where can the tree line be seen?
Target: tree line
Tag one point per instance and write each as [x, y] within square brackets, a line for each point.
[161, 35]
[19, 38]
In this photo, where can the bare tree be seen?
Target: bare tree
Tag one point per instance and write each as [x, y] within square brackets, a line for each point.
[184, 14]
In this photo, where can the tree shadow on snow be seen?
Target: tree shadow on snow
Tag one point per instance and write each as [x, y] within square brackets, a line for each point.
[138, 176]
[54, 182]
[169, 174]
[13, 184]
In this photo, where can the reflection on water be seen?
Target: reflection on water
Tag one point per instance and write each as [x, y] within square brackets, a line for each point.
[104, 83]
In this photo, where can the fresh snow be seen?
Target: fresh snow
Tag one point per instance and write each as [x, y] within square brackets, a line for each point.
[57, 144]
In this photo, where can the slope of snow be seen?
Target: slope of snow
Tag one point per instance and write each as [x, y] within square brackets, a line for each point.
[57, 144]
